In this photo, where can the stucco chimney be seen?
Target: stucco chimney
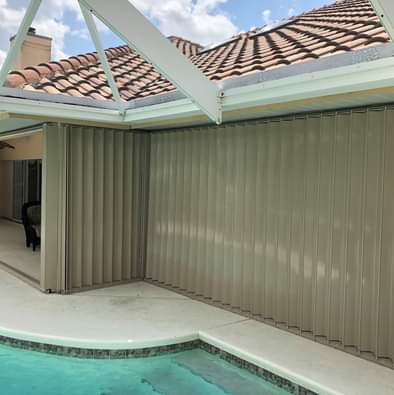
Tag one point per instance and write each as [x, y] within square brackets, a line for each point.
[36, 49]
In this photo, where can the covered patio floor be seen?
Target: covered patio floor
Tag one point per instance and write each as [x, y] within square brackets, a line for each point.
[13, 253]
[142, 315]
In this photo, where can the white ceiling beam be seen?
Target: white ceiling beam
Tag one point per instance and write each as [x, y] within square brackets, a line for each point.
[16, 45]
[137, 31]
[102, 56]
[385, 10]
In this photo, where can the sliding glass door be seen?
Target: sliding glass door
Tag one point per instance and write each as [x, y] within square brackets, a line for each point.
[26, 184]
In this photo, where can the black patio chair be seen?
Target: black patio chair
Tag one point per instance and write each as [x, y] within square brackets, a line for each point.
[31, 218]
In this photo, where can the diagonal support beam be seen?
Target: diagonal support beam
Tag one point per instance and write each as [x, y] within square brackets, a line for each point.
[16, 45]
[385, 10]
[102, 56]
[130, 25]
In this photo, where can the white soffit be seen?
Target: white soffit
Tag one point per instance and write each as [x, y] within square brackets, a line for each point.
[130, 25]
[385, 11]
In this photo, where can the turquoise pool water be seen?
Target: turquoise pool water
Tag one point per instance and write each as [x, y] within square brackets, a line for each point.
[188, 373]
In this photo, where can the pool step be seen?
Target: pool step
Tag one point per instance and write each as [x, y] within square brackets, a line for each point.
[172, 380]
[226, 377]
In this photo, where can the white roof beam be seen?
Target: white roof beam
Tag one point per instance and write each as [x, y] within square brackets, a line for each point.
[385, 11]
[16, 45]
[102, 56]
[130, 25]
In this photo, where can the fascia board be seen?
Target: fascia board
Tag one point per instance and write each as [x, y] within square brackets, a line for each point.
[348, 79]
[47, 110]
[356, 78]
[165, 111]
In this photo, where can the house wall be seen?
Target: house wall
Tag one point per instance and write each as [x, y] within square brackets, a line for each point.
[27, 147]
[105, 206]
[289, 220]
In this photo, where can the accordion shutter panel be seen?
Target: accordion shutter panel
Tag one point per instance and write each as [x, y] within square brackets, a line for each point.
[106, 195]
[53, 209]
[289, 220]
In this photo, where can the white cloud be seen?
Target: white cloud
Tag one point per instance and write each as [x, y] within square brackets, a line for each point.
[197, 20]
[3, 54]
[49, 21]
[267, 17]
[57, 31]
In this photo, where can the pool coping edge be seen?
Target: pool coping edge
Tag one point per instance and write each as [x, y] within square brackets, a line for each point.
[278, 377]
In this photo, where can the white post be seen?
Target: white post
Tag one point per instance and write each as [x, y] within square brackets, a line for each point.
[19, 39]
[102, 56]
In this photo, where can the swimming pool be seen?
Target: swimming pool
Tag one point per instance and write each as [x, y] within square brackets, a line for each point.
[195, 372]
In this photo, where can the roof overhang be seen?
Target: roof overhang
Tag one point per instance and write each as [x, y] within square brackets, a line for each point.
[342, 87]
[313, 86]
[353, 79]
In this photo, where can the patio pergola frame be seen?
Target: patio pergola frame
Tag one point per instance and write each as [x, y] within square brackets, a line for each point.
[202, 95]
[102, 56]
[128, 23]
[385, 11]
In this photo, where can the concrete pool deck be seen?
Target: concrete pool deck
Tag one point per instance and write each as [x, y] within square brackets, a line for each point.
[141, 315]
[13, 251]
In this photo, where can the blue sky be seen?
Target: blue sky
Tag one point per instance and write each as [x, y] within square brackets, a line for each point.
[204, 21]
[251, 15]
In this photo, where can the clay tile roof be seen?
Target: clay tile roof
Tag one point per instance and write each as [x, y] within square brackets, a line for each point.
[343, 26]
[187, 47]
